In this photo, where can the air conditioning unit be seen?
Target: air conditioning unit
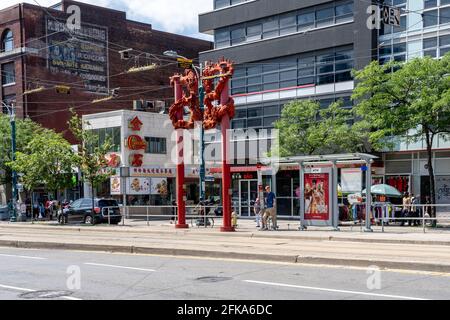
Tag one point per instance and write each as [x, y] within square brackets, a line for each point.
[138, 105]
[154, 106]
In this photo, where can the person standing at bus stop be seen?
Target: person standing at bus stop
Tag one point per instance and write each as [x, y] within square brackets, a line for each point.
[270, 210]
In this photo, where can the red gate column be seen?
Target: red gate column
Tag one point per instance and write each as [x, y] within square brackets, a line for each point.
[226, 172]
[180, 164]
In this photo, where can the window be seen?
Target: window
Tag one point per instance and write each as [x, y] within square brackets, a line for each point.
[430, 18]
[344, 12]
[325, 17]
[305, 21]
[254, 32]
[222, 38]
[288, 23]
[156, 145]
[270, 27]
[430, 3]
[237, 35]
[112, 135]
[7, 41]
[8, 74]
[444, 15]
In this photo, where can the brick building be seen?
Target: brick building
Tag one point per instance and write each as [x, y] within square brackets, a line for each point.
[38, 53]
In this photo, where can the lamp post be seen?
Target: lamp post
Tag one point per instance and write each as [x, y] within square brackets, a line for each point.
[12, 120]
[201, 95]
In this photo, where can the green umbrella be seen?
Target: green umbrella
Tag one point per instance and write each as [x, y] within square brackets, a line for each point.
[384, 189]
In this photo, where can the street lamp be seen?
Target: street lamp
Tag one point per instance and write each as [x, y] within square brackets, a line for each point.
[12, 120]
[201, 95]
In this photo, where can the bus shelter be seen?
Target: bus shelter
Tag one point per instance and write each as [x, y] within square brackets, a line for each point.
[319, 187]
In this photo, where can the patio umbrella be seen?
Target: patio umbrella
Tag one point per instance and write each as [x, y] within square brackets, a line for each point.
[386, 190]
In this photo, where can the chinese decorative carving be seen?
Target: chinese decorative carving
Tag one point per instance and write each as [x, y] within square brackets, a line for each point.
[212, 115]
[176, 111]
[136, 160]
[135, 124]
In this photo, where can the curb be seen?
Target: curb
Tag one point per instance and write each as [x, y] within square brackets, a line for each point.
[364, 263]
[243, 234]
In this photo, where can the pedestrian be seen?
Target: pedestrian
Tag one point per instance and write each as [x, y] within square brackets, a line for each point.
[174, 212]
[406, 207]
[23, 210]
[41, 210]
[257, 210]
[270, 210]
[35, 210]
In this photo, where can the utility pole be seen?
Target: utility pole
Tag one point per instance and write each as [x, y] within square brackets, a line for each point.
[201, 96]
[12, 120]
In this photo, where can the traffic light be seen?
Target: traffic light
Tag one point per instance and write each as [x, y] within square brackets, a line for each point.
[62, 89]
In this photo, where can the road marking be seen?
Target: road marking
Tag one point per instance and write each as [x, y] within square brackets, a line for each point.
[334, 290]
[31, 290]
[119, 267]
[16, 288]
[22, 257]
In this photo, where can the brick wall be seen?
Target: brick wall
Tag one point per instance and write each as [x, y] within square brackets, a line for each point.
[52, 109]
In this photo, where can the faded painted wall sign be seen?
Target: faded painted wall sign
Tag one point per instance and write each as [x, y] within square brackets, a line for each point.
[85, 56]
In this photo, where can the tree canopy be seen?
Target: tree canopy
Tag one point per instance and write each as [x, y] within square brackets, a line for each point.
[306, 129]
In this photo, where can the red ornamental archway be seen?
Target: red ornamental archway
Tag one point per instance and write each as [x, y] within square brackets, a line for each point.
[215, 114]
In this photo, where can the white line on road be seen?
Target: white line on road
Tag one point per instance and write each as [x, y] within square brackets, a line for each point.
[21, 257]
[334, 290]
[16, 288]
[31, 290]
[120, 267]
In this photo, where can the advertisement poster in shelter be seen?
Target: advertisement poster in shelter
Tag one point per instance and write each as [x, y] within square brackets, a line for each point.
[317, 196]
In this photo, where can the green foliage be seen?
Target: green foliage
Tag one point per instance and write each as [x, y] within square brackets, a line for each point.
[47, 160]
[410, 102]
[91, 155]
[25, 131]
[306, 129]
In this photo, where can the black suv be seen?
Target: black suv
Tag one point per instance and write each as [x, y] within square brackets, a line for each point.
[80, 211]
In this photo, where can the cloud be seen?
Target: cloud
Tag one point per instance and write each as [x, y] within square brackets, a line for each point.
[175, 16]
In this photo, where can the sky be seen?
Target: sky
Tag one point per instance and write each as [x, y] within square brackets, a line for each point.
[176, 16]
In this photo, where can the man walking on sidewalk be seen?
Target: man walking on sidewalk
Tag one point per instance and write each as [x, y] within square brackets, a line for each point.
[270, 210]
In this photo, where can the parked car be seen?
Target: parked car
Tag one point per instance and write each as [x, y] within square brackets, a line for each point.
[80, 211]
[4, 213]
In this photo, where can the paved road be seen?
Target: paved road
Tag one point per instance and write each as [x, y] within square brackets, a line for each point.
[45, 274]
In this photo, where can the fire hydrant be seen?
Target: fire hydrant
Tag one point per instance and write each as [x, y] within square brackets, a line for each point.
[234, 219]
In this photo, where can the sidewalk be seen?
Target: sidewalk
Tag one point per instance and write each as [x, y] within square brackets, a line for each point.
[401, 248]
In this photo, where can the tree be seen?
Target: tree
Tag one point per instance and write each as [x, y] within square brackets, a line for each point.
[306, 129]
[91, 155]
[408, 101]
[47, 160]
[25, 131]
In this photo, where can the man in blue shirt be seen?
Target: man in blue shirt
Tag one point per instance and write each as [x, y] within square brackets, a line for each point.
[270, 211]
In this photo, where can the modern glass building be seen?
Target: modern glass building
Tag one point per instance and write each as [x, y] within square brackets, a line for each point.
[306, 49]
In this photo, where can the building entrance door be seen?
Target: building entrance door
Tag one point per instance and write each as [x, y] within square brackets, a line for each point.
[248, 192]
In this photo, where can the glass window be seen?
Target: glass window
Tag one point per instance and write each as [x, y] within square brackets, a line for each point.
[272, 77]
[271, 110]
[430, 3]
[305, 21]
[254, 32]
[237, 35]
[430, 43]
[444, 51]
[241, 113]
[255, 112]
[430, 18]
[7, 41]
[268, 122]
[324, 17]
[444, 15]
[270, 27]
[257, 122]
[222, 38]
[306, 81]
[444, 40]
[345, 76]
[8, 73]
[325, 79]
[239, 124]
[156, 145]
[344, 12]
[288, 23]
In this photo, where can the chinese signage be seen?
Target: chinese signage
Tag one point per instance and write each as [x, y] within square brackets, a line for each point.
[443, 194]
[135, 142]
[317, 197]
[135, 124]
[116, 188]
[113, 160]
[138, 186]
[184, 63]
[159, 187]
[153, 172]
[85, 57]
